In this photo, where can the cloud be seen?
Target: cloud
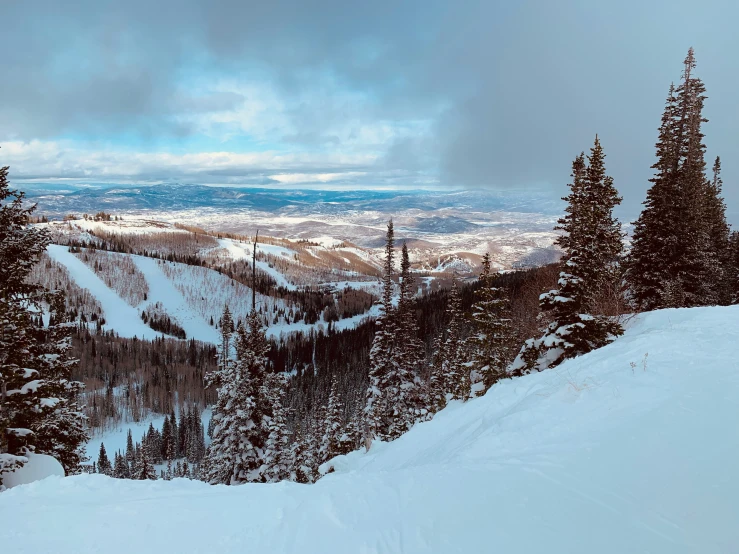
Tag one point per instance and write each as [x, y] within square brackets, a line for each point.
[475, 94]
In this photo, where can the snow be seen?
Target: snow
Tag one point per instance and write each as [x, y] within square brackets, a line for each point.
[606, 453]
[119, 315]
[115, 439]
[239, 252]
[162, 289]
[38, 466]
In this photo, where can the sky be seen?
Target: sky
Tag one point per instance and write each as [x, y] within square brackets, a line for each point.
[384, 94]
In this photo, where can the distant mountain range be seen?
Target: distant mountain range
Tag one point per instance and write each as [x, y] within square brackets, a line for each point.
[516, 227]
[59, 199]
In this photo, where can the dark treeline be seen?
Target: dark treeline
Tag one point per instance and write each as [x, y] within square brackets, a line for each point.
[128, 378]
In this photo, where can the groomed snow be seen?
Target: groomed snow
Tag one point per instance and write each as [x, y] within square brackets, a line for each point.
[119, 315]
[162, 289]
[630, 449]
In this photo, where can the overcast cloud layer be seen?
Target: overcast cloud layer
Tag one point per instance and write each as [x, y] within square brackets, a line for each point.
[381, 93]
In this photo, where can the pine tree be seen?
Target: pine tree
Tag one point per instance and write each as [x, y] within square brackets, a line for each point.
[450, 377]
[718, 235]
[378, 409]
[732, 267]
[172, 452]
[130, 452]
[406, 394]
[332, 432]
[492, 344]
[277, 460]
[35, 401]
[120, 467]
[592, 248]
[674, 259]
[166, 453]
[61, 429]
[103, 463]
[302, 458]
[231, 413]
[145, 466]
[243, 411]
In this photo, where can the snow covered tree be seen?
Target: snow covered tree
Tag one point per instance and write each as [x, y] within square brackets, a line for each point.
[332, 426]
[408, 396]
[232, 414]
[243, 412]
[303, 458]
[130, 452]
[120, 467]
[491, 346]
[592, 246]
[35, 399]
[144, 466]
[103, 463]
[60, 429]
[450, 378]
[277, 458]
[378, 408]
[166, 451]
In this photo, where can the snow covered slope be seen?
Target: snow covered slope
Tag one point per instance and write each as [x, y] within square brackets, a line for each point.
[630, 449]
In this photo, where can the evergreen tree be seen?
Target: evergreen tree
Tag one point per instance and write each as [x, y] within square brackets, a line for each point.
[450, 376]
[492, 343]
[592, 247]
[405, 392]
[166, 452]
[130, 452]
[277, 459]
[378, 408]
[145, 466]
[231, 413]
[60, 429]
[330, 440]
[36, 397]
[103, 463]
[120, 467]
[243, 411]
[675, 259]
[718, 235]
[732, 267]
[303, 459]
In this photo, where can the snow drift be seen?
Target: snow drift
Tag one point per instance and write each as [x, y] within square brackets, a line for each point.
[632, 448]
[38, 467]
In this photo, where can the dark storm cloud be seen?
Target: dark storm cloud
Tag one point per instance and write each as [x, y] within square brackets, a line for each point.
[513, 90]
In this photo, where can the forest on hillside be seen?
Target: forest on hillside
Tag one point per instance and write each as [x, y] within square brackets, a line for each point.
[281, 409]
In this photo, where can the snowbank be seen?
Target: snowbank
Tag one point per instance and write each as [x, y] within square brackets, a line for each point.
[632, 448]
[38, 466]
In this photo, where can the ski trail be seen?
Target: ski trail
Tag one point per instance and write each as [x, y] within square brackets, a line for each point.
[119, 315]
[162, 290]
[241, 253]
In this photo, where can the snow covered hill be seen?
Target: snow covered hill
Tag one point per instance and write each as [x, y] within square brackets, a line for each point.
[632, 448]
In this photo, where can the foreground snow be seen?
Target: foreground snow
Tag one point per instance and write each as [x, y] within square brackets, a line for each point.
[633, 448]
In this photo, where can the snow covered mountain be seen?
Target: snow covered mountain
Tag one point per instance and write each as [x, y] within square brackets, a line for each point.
[515, 226]
[631, 448]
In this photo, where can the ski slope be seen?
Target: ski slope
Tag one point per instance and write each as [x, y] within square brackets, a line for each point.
[630, 449]
[239, 252]
[119, 315]
[161, 289]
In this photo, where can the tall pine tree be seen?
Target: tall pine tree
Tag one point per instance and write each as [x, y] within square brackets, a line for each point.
[492, 343]
[592, 244]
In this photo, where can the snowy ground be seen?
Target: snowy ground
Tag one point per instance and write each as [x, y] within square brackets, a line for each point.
[632, 448]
